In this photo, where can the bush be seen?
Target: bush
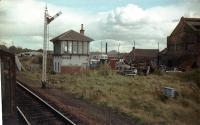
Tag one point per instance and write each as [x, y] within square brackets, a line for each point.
[158, 72]
[52, 72]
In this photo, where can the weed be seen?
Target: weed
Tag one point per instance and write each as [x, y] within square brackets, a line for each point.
[184, 102]
[158, 72]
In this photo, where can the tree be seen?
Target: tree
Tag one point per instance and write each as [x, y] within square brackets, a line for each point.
[12, 49]
[26, 50]
[19, 50]
[40, 50]
[3, 47]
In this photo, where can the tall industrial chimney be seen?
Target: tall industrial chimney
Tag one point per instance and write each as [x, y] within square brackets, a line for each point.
[106, 48]
[82, 30]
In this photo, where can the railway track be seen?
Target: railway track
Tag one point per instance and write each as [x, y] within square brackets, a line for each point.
[36, 111]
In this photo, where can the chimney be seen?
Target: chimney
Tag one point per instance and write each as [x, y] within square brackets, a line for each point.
[106, 48]
[82, 30]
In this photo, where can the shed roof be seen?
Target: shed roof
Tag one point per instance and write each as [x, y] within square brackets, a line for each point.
[163, 52]
[71, 35]
[145, 52]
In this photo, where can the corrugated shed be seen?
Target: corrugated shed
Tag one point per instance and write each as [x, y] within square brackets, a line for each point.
[145, 52]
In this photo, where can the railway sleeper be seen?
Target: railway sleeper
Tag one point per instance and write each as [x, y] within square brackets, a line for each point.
[47, 121]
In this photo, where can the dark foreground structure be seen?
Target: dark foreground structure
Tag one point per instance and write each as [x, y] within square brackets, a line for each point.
[8, 80]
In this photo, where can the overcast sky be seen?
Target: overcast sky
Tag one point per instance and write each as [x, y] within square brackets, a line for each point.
[146, 22]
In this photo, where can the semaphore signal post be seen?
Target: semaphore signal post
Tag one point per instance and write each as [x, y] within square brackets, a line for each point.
[47, 20]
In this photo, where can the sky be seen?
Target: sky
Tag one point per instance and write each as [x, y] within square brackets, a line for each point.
[117, 22]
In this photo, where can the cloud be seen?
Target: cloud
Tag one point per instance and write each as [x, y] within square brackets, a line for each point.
[129, 15]
[22, 22]
[146, 26]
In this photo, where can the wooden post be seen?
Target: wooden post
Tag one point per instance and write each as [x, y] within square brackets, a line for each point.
[0, 96]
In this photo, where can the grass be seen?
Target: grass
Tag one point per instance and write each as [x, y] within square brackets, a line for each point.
[138, 97]
[193, 76]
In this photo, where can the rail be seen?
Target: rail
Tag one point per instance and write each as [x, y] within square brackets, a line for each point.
[46, 104]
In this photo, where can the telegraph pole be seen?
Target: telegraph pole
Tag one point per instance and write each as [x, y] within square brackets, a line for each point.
[47, 20]
[101, 47]
[118, 50]
[134, 52]
[118, 47]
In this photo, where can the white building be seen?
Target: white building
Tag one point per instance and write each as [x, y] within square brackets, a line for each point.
[71, 51]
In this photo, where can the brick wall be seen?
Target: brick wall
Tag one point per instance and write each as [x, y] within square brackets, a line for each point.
[71, 69]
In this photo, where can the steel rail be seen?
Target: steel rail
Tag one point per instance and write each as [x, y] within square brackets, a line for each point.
[24, 117]
[48, 105]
